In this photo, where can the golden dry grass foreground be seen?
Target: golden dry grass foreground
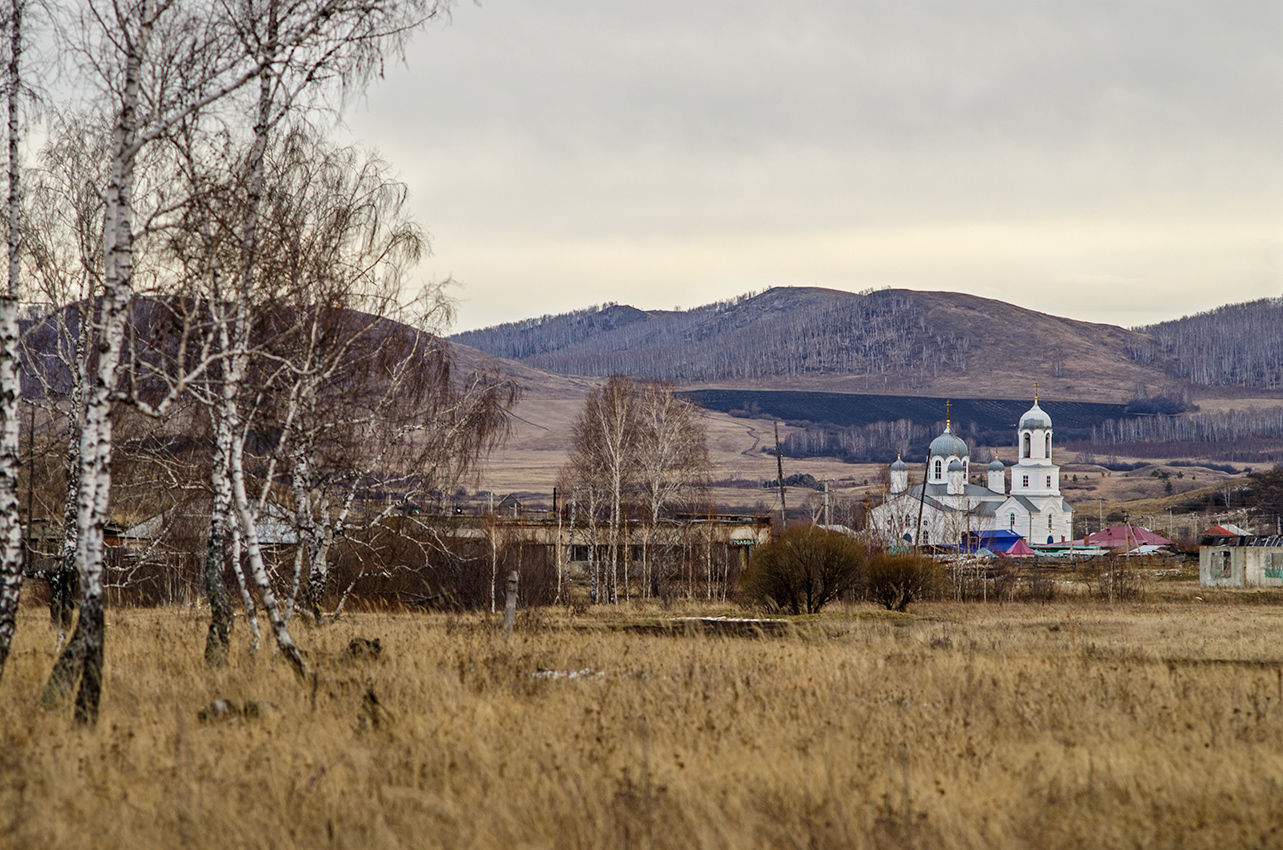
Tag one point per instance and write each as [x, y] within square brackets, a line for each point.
[1067, 725]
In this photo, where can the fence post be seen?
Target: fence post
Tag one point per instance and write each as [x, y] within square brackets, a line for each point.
[510, 607]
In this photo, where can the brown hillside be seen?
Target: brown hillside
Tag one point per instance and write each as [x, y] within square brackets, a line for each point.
[1008, 348]
[890, 341]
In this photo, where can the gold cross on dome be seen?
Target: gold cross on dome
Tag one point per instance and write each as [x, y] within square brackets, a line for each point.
[948, 405]
[1035, 392]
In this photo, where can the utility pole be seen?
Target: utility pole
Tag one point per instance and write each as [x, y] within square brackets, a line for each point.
[559, 550]
[922, 500]
[826, 502]
[779, 471]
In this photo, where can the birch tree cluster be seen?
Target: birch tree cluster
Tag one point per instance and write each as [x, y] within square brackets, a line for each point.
[207, 294]
[639, 452]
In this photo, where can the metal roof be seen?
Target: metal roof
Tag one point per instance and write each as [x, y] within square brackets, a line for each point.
[948, 445]
[1035, 417]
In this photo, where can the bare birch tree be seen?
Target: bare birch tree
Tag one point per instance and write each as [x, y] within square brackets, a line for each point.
[10, 388]
[604, 455]
[672, 462]
[300, 47]
[160, 65]
[156, 63]
[63, 260]
[363, 403]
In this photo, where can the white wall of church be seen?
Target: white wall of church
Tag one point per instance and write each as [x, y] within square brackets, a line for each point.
[1029, 480]
[898, 517]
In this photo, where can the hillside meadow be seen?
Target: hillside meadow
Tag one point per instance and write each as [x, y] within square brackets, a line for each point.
[1071, 724]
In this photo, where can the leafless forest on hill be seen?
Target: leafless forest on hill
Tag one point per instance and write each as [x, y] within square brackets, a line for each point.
[791, 332]
[1238, 345]
[778, 333]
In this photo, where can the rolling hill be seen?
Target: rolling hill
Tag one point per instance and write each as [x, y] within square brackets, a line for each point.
[804, 338]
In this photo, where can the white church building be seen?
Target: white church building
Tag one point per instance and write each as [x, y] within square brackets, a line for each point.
[948, 505]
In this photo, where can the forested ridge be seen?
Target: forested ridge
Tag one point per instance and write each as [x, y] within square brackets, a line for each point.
[903, 337]
[1234, 345]
[777, 333]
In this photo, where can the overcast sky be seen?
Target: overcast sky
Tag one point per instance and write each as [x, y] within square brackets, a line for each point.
[1116, 161]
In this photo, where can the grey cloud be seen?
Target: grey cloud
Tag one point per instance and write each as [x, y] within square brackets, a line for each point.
[744, 74]
[705, 126]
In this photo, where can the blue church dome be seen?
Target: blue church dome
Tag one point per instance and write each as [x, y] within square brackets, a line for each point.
[947, 445]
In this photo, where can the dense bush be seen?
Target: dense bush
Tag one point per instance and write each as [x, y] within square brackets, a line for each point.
[895, 580]
[804, 569]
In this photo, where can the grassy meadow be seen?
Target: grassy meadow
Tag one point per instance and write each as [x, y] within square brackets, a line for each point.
[1070, 724]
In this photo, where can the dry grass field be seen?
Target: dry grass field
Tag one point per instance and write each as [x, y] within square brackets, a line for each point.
[1074, 724]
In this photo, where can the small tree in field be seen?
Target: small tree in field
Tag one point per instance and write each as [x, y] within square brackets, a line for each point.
[804, 569]
[895, 580]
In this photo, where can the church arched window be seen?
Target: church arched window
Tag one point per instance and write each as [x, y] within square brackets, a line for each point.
[1049, 446]
[1013, 522]
[939, 468]
[1024, 451]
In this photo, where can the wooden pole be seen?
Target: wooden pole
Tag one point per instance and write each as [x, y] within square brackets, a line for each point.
[779, 471]
[558, 551]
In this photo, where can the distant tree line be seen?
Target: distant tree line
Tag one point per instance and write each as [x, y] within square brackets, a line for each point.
[876, 443]
[1234, 435]
[1221, 427]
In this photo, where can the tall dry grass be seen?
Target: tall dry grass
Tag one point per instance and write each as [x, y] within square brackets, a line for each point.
[1063, 725]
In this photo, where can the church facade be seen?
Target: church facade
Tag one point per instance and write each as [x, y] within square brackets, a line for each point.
[948, 506]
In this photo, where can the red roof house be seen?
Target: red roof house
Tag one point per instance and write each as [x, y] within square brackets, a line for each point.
[1127, 535]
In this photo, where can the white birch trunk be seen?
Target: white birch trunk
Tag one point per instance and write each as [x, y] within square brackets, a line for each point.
[62, 582]
[94, 492]
[10, 386]
[251, 611]
[300, 482]
[257, 567]
[237, 368]
[218, 638]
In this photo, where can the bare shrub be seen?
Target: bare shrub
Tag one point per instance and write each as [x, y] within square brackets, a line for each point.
[896, 580]
[1115, 581]
[1037, 588]
[804, 569]
[980, 582]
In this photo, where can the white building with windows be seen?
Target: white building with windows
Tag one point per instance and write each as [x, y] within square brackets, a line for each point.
[948, 505]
